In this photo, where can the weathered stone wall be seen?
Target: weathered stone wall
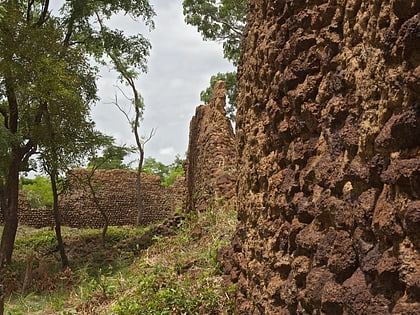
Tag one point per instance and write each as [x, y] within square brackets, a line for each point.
[36, 217]
[328, 129]
[116, 192]
[211, 157]
[179, 193]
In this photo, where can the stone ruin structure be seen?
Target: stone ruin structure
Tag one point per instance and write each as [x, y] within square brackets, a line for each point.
[211, 157]
[210, 177]
[35, 217]
[328, 130]
[116, 192]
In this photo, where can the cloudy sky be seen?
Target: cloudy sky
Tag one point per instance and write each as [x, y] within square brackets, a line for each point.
[179, 68]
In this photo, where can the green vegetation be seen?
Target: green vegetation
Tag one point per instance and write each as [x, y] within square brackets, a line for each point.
[48, 84]
[111, 157]
[38, 191]
[221, 21]
[140, 271]
[167, 173]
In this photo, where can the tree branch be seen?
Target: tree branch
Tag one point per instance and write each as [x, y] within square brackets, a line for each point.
[29, 9]
[44, 15]
[122, 110]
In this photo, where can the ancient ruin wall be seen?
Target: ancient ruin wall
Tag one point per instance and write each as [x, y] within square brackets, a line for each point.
[211, 156]
[328, 128]
[116, 192]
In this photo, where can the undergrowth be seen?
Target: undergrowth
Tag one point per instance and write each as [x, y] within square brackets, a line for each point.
[173, 274]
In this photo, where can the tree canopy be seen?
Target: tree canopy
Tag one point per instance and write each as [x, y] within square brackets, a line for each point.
[222, 21]
[48, 83]
[167, 173]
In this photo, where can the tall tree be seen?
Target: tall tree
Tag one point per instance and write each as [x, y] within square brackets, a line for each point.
[68, 138]
[28, 49]
[31, 42]
[137, 103]
[221, 21]
[119, 49]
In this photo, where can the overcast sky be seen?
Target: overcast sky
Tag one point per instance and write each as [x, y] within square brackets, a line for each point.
[179, 68]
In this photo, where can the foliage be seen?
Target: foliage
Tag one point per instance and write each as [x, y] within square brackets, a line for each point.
[41, 241]
[221, 21]
[167, 173]
[152, 166]
[111, 157]
[229, 78]
[47, 84]
[177, 274]
[180, 275]
[37, 191]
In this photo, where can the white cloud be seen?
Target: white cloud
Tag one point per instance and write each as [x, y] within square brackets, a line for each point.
[170, 151]
[179, 68]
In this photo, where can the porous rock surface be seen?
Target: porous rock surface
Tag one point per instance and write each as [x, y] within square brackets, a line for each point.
[116, 194]
[328, 130]
[211, 158]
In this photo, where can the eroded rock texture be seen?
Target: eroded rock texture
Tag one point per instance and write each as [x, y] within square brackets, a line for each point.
[211, 157]
[328, 129]
[116, 194]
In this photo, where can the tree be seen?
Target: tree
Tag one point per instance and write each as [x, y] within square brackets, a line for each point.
[36, 52]
[221, 21]
[176, 169]
[152, 166]
[167, 173]
[61, 150]
[37, 191]
[26, 90]
[134, 122]
[112, 157]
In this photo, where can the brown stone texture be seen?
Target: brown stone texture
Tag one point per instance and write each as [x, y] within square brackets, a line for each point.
[116, 192]
[35, 217]
[328, 131]
[211, 157]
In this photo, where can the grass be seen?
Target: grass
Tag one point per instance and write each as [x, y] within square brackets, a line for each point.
[138, 272]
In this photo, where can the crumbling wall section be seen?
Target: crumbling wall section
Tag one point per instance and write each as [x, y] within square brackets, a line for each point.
[211, 157]
[328, 128]
[116, 193]
[35, 217]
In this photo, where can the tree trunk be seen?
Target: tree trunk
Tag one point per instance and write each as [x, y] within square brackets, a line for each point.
[139, 199]
[1, 299]
[11, 211]
[57, 218]
[99, 207]
[140, 219]
[2, 201]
